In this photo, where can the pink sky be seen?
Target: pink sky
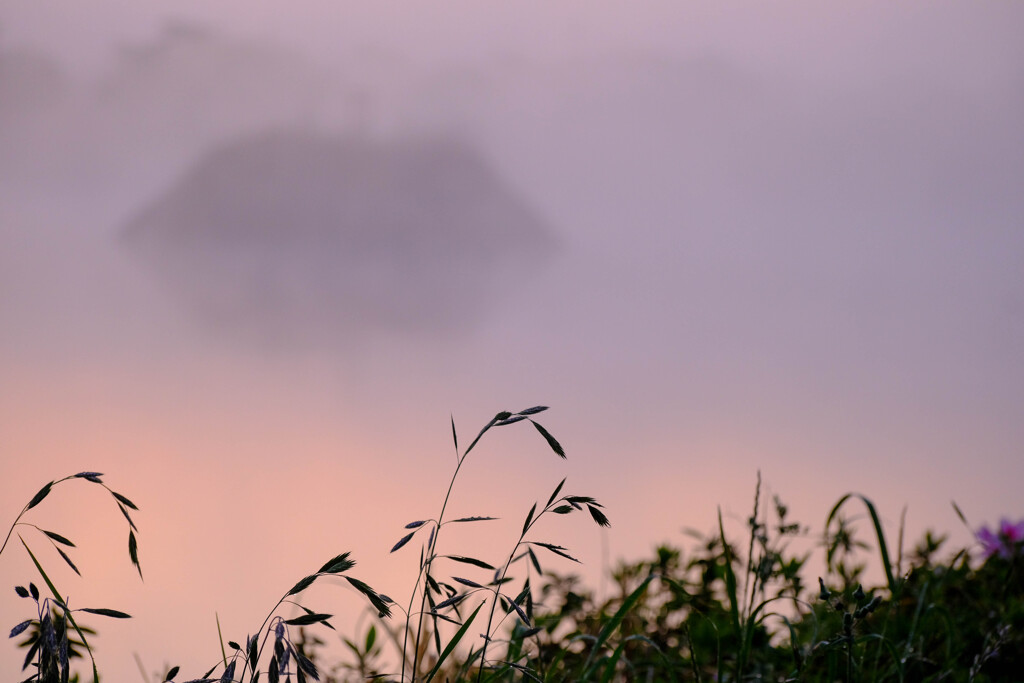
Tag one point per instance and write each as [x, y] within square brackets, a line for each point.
[789, 239]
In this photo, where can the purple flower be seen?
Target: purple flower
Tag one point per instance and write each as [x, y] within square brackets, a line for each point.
[1004, 542]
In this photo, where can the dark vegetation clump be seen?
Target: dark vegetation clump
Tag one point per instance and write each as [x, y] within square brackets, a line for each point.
[724, 610]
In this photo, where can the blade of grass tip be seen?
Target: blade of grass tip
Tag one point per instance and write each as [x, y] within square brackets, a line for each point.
[142, 668]
[899, 541]
[751, 624]
[529, 518]
[609, 669]
[879, 534]
[730, 577]
[450, 647]
[613, 624]
[555, 493]
[70, 616]
[220, 637]
[960, 514]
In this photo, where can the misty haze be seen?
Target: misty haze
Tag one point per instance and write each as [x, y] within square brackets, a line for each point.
[256, 261]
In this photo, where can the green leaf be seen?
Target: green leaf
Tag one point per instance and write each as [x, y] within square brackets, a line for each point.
[124, 500]
[371, 637]
[555, 446]
[220, 639]
[960, 514]
[730, 577]
[526, 671]
[60, 539]
[470, 560]
[612, 624]
[104, 612]
[70, 616]
[450, 647]
[879, 533]
[38, 498]
[302, 585]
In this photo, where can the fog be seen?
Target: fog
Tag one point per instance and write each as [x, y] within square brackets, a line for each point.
[252, 262]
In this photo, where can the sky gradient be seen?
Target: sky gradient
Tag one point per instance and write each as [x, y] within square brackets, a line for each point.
[784, 237]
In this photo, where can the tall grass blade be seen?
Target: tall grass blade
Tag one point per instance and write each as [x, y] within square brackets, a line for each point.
[452, 644]
[879, 534]
[71, 618]
[730, 577]
[554, 494]
[613, 624]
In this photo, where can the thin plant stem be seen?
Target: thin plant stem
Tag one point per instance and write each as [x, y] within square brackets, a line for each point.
[429, 561]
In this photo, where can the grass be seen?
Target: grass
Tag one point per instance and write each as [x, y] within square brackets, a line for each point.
[720, 611]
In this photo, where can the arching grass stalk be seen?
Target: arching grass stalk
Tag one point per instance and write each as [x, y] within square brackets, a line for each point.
[425, 581]
[47, 645]
[562, 506]
[123, 503]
